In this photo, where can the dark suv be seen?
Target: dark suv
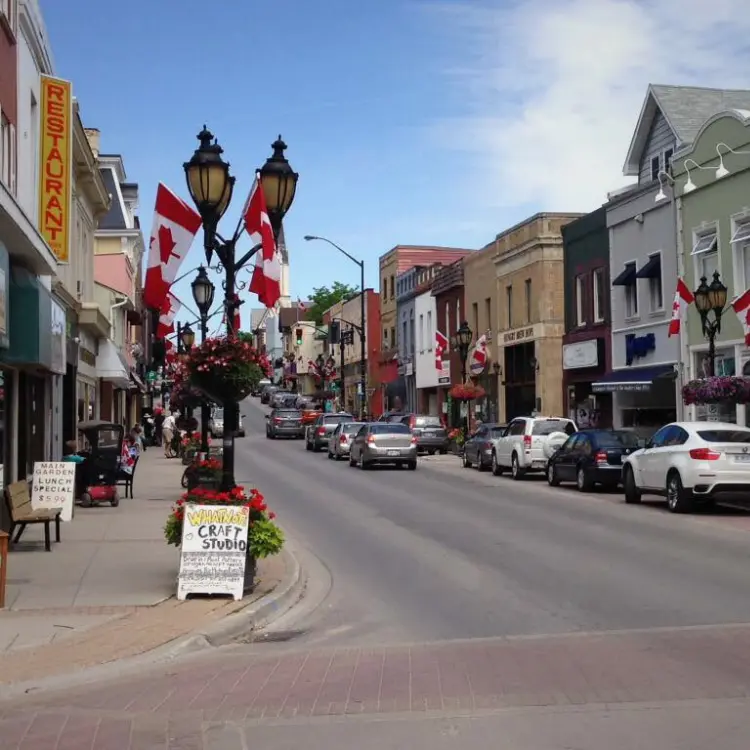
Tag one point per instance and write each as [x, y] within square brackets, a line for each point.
[429, 431]
[320, 431]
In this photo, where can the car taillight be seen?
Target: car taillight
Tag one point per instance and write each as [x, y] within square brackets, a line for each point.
[342, 439]
[321, 430]
[414, 438]
[527, 442]
[412, 422]
[277, 420]
[601, 457]
[704, 454]
[371, 439]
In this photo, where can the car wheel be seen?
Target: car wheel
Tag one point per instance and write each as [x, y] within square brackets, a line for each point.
[497, 470]
[352, 462]
[443, 451]
[412, 465]
[552, 479]
[316, 448]
[363, 465]
[465, 462]
[632, 493]
[308, 447]
[330, 456]
[515, 469]
[583, 481]
[481, 465]
[679, 500]
[337, 456]
[431, 452]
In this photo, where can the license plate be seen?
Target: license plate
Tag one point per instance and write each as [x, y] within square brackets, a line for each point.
[742, 459]
[394, 453]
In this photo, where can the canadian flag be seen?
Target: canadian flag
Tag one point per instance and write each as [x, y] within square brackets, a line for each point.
[237, 318]
[742, 309]
[266, 280]
[175, 225]
[169, 309]
[301, 306]
[441, 346]
[682, 298]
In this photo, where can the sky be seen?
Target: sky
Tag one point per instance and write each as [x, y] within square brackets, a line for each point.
[409, 121]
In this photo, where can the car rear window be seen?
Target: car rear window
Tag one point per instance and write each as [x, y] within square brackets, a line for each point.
[548, 426]
[428, 422]
[336, 418]
[616, 439]
[497, 432]
[725, 436]
[390, 428]
[351, 428]
[288, 413]
[392, 418]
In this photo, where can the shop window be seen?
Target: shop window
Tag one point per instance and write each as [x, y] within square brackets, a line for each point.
[509, 305]
[580, 301]
[529, 304]
[705, 254]
[430, 338]
[741, 254]
[631, 292]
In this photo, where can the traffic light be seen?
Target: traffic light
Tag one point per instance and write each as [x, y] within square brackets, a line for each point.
[298, 333]
[334, 332]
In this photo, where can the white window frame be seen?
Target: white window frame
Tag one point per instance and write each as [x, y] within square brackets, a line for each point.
[9, 16]
[580, 312]
[702, 248]
[666, 159]
[652, 285]
[740, 242]
[421, 333]
[631, 294]
[653, 159]
[430, 334]
[596, 273]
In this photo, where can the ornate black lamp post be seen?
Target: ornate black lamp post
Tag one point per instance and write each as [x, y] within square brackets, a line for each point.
[187, 337]
[711, 298]
[203, 296]
[211, 187]
[461, 341]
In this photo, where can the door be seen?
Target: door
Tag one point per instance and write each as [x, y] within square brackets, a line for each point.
[652, 458]
[471, 449]
[566, 459]
[514, 435]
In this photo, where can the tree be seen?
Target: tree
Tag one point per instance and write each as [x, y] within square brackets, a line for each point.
[324, 297]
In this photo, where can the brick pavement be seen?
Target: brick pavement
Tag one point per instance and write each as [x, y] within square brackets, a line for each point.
[457, 678]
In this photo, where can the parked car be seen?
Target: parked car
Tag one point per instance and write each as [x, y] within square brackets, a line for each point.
[262, 383]
[478, 448]
[429, 430]
[592, 457]
[528, 443]
[383, 443]
[267, 392]
[341, 439]
[320, 431]
[393, 416]
[284, 423]
[689, 463]
[283, 400]
[216, 423]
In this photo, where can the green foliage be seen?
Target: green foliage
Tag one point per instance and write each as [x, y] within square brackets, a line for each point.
[324, 297]
[265, 539]
[246, 337]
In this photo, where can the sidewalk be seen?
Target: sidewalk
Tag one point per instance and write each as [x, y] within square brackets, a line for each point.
[105, 592]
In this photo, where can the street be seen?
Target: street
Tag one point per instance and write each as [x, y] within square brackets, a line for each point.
[554, 619]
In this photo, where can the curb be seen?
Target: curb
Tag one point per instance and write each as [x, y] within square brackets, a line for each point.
[256, 615]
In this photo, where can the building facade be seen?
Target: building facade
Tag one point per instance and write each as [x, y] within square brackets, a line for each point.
[714, 235]
[427, 374]
[586, 343]
[406, 291]
[529, 274]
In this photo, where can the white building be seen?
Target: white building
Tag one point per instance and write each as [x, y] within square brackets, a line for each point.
[427, 376]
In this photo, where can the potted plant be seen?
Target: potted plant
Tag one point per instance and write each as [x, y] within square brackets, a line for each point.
[467, 392]
[226, 368]
[264, 537]
[457, 440]
[716, 390]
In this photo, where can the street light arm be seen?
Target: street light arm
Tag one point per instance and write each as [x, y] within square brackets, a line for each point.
[246, 257]
[360, 263]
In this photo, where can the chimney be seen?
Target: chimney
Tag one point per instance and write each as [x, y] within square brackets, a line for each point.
[94, 136]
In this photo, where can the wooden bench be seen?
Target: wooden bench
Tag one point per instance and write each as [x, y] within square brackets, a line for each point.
[18, 500]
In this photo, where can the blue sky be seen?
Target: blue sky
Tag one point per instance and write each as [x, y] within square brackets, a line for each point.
[410, 122]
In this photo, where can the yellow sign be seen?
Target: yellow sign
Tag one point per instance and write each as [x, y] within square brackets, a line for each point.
[55, 165]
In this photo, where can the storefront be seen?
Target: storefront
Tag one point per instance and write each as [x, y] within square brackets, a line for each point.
[114, 381]
[584, 363]
[730, 360]
[87, 384]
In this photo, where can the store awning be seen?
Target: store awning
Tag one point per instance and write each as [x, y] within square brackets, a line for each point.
[111, 365]
[136, 383]
[652, 269]
[632, 379]
[626, 277]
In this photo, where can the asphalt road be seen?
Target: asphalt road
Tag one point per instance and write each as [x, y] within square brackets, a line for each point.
[438, 554]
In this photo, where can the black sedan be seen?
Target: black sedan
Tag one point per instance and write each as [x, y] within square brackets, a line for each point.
[284, 423]
[592, 457]
[478, 448]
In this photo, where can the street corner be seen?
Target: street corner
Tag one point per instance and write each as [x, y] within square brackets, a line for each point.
[58, 648]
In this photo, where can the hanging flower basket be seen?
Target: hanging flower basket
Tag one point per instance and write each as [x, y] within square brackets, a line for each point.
[467, 392]
[226, 368]
[717, 390]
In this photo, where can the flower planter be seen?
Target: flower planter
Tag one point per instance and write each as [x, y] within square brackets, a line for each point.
[717, 390]
[251, 570]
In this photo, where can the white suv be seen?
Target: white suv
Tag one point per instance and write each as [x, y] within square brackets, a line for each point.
[528, 442]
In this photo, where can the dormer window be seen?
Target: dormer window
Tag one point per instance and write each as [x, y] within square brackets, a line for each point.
[655, 168]
[668, 160]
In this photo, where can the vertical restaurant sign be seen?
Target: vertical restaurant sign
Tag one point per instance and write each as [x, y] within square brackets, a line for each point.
[55, 164]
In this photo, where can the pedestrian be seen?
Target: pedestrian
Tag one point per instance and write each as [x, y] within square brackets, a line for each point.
[136, 435]
[167, 433]
[158, 426]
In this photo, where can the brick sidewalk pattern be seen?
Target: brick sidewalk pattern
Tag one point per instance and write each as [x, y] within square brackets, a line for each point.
[175, 708]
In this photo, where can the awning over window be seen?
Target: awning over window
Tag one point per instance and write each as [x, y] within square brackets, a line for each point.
[652, 269]
[632, 379]
[705, 243]
[742, 233]
[111, 365]
[626, 277]
[137, 383]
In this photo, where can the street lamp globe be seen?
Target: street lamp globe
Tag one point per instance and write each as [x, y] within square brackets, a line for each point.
[701, 295]
[717, 295]
[464, 335]
[187, 335]
[203, 291]
[279, 183]
[208, 178]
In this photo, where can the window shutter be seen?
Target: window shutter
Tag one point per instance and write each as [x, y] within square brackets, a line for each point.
[13, 160]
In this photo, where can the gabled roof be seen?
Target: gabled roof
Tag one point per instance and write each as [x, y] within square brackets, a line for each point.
[685, 108]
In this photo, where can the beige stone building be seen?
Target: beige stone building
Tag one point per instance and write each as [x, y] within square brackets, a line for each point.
[529, 314]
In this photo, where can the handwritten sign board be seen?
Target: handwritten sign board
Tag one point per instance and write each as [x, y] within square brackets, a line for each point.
[53, 486]
[214, 551]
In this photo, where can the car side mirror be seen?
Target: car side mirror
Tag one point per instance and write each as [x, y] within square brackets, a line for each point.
[268, 416]
[646, 444]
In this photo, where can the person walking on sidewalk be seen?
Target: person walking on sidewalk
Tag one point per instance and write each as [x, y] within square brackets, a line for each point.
[167, 433]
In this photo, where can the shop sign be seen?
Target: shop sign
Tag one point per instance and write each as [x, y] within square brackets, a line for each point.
[519, 335]
[444, 374]
[581, 354]
[637, 347]
[55, 160]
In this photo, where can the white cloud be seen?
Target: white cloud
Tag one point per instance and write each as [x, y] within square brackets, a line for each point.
[551, 89]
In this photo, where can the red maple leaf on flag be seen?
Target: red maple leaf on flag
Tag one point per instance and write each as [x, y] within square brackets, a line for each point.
[166, 244]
